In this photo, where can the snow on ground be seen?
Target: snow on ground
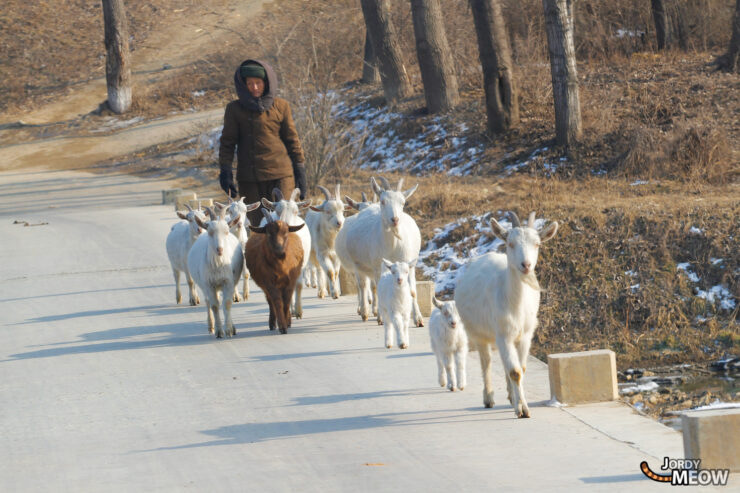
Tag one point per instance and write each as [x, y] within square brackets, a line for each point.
[718, 295]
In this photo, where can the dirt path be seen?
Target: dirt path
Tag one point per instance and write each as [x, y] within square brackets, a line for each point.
[182, 41]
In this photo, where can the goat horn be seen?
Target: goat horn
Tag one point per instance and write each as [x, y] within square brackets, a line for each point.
[530, 221]
[514, 219]
[296, 193]
[277, 195]
[267, 215]
[212, 214]
[325, 192]
[364, 197]
[189, 208]
[339, 197]
[400, 184]
[384, 181]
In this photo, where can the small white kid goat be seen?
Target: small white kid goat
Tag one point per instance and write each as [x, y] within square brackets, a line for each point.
[449, 343]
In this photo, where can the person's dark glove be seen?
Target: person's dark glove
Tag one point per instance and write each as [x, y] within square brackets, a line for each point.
[299, 172]
[226, 178]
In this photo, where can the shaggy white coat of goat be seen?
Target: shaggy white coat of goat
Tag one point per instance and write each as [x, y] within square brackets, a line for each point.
[180, 239]
[216, 261]
[324, 223]
[449, 343]
[498, 297]
[394, 301]
[288, 212]
[380, 231]
[233, 209]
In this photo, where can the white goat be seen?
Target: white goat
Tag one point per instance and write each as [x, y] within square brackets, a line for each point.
[287, 211]
[498, 297]
[394, 301]
[216, 261]
[449, 343]
[380, 231]
[240, 230]
[181, 237]
[324, 222]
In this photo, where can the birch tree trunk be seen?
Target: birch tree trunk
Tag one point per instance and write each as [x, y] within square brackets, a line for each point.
[435, 59]
[386, 48]
[117, 65]
[502, 105]
[559, 26]
[370, 73]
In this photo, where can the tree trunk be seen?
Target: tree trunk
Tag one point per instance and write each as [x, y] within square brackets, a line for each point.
[435, 58]
[662, 28]
[386, 48]
[730, 61]
[559, 26]
[117, 66]
[370, 73]
[502, 106]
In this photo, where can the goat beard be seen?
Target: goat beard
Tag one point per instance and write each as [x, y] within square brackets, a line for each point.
[530, 280]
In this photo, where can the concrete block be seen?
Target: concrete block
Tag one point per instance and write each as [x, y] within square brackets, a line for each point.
[347, 282]
[714, 437]
[168, 196]
[424, 294]
[587, 376]
[184, 198]
[200, 203]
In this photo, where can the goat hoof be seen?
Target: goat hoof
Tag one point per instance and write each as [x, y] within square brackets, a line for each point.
[403, 346]
[388, 346]
[523, 414]
[364, 318]
[178, 299]
[283, 331]
[452, 389]
[461, 389]
[220, 334]
[420, 323]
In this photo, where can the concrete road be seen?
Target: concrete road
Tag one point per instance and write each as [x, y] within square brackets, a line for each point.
[107, 385]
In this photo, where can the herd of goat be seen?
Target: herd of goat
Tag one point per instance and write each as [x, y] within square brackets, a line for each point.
[496, 297]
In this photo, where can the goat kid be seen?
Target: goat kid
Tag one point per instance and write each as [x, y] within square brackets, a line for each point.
[394, 301]
[449, 343]
[180, 239]
[324, 222]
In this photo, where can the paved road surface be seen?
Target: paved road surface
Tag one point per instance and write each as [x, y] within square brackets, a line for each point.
[107, 385]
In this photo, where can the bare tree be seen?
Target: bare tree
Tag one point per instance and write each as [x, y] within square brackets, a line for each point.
[662, 27]
[502, 105]
[386, 48]
[559, 26]
[370, 74]
[117, 65]
[435, 58]
[730, 61]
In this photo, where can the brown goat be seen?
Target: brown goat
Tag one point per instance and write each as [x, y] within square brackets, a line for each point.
[275, 258]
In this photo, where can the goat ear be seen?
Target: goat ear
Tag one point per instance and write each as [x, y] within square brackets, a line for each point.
[317, 209]
[201, 223]
[219, 205]
[267, 204]
[413, 263]
[252, 207]
[375, 186]
[498, 230]
[387, 264]
[352, 203]
[304, 205]
[549, 231]
[436, 302]
[257, 229]
[408, 193]
[293, 229]
[182, 215]
[234, 221]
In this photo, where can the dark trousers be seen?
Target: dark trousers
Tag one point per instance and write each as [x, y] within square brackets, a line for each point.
[257, 190]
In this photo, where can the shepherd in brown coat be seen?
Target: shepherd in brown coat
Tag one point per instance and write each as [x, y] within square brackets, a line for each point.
[275, 259]
[259, 125]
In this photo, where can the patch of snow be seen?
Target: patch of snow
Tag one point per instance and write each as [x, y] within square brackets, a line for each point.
[717, 404]
[643, 387]
[716, 261]
[631, 273]
[686, 267]
[197, 94]
[696, 231]
[638, 182]
[718, 294]
[635, 287]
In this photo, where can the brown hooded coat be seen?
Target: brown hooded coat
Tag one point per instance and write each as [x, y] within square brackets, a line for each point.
[262, 132]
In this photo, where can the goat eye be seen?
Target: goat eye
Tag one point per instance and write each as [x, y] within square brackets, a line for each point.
[382, 202]
[510, 245]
